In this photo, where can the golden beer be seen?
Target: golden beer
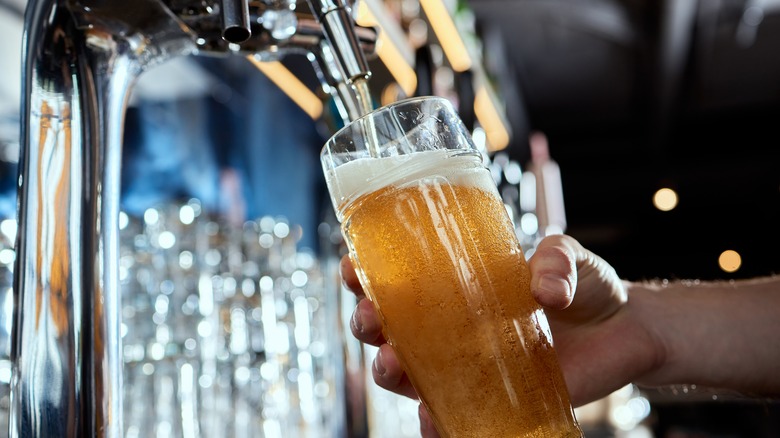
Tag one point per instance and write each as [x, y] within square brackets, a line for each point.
[437, 254]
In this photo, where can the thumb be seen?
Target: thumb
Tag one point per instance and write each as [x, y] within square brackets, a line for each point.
[554, 271]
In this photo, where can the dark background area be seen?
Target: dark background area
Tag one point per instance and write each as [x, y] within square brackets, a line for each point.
[636, 95]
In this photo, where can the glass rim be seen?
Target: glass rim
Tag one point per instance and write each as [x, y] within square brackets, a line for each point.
[383, 108]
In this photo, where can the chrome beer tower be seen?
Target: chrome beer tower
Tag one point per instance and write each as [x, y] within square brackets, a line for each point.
[81, 59]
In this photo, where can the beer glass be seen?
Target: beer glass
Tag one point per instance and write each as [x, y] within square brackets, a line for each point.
[436, 253]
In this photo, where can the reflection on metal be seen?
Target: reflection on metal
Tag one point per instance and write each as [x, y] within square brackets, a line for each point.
[335, 16]
[65, 349]
[81, 58]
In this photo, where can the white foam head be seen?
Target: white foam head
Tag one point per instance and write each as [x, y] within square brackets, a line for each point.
[353, 179]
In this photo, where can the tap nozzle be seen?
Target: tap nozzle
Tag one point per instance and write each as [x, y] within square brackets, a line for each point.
[339, 29]
[235, 21]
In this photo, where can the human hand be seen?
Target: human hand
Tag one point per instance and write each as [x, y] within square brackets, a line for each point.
[600, 346]
[602, 342]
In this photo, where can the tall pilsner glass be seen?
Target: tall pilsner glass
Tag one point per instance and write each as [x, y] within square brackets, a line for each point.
[437, 255]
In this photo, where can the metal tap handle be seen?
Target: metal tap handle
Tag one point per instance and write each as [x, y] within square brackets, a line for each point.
[339, 28]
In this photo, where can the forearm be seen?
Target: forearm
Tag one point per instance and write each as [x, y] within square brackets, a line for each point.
[714, 334]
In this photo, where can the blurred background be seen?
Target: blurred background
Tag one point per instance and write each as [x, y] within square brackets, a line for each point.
[635, 96]
[656, 122]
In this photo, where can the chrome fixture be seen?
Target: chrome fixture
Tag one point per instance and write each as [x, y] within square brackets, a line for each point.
[81, 59]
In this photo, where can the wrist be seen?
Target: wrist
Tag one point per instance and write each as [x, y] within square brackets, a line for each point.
[648, 308]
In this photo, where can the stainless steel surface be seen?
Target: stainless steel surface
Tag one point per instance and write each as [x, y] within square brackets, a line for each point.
[81, 59]
[338, 25]
[235, 21]
[66, 375]
[329, 72]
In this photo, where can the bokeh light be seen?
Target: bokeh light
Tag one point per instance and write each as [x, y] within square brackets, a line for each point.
[665, 199]
[730, 260]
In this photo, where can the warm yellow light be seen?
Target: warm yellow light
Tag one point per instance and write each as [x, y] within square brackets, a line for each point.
[488, 116]
[665, 199]
[729, 260]
[447, 34]
[291, 85]
[388, 51]
[389, 94]
[400, 69]
[365, 17]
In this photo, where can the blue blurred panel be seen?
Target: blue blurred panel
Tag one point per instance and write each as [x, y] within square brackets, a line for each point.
[244, 148]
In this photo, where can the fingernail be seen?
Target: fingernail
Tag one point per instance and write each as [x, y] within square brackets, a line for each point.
[379, 364]
[554, 284]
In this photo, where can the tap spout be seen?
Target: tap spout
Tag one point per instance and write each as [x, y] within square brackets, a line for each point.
[339, 28]
[235, 21]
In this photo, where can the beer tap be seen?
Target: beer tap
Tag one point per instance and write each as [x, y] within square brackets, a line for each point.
[80, 61]
[333, 14]
[235, 21]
